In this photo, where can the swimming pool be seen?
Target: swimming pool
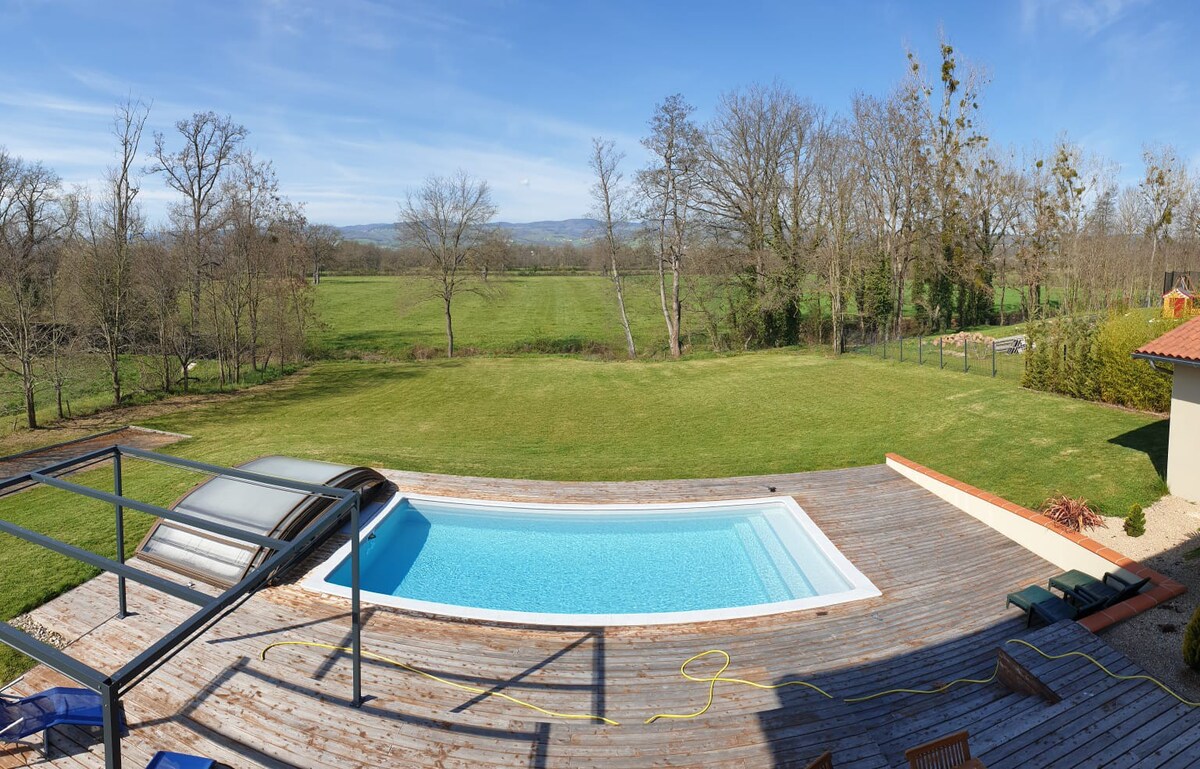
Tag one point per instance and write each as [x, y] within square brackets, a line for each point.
[589, 565]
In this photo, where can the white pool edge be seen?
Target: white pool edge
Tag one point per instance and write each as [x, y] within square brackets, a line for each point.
[860, 586]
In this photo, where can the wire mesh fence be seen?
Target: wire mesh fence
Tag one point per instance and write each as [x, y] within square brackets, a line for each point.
[996, 358]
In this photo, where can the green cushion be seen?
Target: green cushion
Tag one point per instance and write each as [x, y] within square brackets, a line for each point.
[1024, 599]
[1073, 580]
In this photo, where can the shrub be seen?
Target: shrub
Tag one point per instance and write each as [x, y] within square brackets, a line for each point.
[1092, 361]
[1122, 379]
[1061, 357]
[1072, 513]
[1191, 642]
[1135, 522]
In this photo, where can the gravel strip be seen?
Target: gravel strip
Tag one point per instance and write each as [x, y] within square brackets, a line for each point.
[39, 631]
[1154, 639]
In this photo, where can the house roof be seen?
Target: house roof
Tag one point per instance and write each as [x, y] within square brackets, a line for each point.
[1179, 344]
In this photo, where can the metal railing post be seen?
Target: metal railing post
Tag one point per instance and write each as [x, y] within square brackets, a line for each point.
[356, 603]
[920, 350]
[941, 354]
[966, 354]
[122, 604]
[902, 348]
[993, 358]
[110, 707]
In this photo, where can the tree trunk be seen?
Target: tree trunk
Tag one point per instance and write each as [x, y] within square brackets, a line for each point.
[677, 311]
[1153, 262]
[27, 386]
[666, 309]
[449, 332]
[114, 371]
[1003, 286]
[616, 279]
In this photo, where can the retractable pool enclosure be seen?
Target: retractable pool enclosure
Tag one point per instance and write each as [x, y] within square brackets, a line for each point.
[269, 511]
[278, 554]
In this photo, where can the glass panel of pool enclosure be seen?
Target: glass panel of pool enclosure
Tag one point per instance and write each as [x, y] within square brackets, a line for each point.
[278, 553]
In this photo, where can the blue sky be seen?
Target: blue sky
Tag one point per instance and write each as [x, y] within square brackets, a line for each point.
[357, 100]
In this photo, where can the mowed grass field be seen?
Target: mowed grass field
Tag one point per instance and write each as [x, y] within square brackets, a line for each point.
[388, 316]
[560, 417]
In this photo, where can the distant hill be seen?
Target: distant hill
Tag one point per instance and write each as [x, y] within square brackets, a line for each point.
[548, 233]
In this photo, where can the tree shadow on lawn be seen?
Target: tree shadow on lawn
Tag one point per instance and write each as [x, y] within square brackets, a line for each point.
[1151, 440]
[328, 382]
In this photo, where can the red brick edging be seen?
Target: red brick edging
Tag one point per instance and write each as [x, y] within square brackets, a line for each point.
[1162, 588]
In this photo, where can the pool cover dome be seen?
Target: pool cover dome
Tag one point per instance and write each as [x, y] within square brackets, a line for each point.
[256, 507]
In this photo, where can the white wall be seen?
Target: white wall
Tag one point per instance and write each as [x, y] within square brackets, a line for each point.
[1042, 541]
[1183, 458]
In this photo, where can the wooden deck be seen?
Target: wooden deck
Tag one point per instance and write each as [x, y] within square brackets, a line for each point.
[33, 459]
[943, 576]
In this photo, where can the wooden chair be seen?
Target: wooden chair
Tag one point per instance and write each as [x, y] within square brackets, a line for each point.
[823, 761]
[949, 752]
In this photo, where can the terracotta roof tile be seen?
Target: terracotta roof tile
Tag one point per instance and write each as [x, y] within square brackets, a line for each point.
[1181, 343]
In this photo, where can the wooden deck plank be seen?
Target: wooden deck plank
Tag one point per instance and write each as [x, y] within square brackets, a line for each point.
[290, 709]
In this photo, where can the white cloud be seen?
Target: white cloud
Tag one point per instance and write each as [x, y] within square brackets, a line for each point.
[1086, 16]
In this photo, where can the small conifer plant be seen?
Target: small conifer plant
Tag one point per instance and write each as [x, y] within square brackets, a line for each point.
[1191, 642]
[1135, 522]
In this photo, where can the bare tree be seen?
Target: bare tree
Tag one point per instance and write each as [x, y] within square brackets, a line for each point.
[757, 187]
[111, 226]
[669, 186]
[891, 135]
[993, 202]
[195, 171]
[323, 240]
[1163, 189]
[35, 221]
[837, 178]
[446, 218]
[609, 197]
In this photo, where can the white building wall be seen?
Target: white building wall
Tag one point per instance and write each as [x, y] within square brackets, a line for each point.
[1183, 456]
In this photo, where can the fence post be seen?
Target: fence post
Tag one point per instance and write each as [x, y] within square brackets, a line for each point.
[920, 350]
[941, 356]
[966, 354]
[902, 348]
[993, 358]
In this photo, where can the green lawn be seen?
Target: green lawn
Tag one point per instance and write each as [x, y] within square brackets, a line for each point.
[570, 418]
[86, 389]
[388, 316]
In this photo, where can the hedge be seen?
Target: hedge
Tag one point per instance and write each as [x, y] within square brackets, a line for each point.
[1091, 359]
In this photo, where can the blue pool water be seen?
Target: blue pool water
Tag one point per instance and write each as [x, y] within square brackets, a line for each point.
[527, 560]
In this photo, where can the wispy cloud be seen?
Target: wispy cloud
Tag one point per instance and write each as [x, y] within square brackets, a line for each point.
[1088, 17]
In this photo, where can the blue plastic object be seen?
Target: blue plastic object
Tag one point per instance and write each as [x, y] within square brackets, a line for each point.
[164, 759]
[53, 707]
[60, 706]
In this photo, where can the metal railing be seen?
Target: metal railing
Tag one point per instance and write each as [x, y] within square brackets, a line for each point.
[996, 358]
[112, 687]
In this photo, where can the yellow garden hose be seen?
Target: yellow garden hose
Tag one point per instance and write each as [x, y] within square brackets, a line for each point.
[720, 677]
[712, 681]
[464, 687]
[1097, 663]
[712, 685]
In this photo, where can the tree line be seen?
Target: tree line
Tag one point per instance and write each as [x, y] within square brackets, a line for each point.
[786, 224]
[776, 222]
[225, 278]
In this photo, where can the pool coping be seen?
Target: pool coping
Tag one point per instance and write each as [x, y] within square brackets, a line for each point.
[861, 587]
[988, 508]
